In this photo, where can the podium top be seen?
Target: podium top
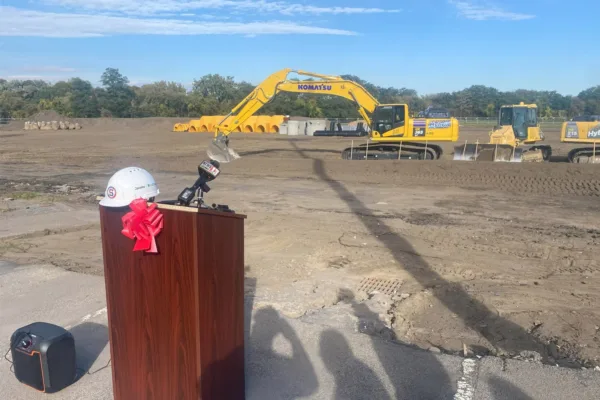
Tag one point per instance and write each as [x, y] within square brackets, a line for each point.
[166, 206]
[197, 210]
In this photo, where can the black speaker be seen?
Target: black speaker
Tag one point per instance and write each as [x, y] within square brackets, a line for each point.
[44, 356]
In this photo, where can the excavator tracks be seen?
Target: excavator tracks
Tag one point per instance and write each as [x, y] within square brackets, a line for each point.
[393, 151]
[585, 155]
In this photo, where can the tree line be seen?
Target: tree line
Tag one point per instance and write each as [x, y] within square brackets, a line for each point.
[214, 94]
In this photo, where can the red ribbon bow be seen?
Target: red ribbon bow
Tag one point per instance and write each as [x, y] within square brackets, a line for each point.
[143, 224]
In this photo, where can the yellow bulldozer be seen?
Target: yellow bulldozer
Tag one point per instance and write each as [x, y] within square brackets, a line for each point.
[582, 130]
[394, 133]
[517, 127]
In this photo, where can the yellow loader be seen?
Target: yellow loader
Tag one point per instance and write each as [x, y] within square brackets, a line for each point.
[517, 126]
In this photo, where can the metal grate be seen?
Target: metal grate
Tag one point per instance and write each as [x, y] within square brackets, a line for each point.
[385, 286]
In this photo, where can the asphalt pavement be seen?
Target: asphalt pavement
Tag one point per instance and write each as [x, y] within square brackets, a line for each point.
[285, 358]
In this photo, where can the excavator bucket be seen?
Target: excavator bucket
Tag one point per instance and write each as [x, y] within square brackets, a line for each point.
[489, 152]
[219, 150]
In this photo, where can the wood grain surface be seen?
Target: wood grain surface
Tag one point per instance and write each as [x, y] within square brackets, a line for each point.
[176, 318]
[221, 305]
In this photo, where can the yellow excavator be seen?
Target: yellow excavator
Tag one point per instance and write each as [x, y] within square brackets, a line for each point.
[394, 134]
[584, 129]
[517, 126]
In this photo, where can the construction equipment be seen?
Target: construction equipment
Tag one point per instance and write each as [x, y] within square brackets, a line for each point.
[584, 130]
[517, 126]
[180, 127]
[394, 133]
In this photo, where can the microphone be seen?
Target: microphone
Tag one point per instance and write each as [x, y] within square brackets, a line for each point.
[207, 171]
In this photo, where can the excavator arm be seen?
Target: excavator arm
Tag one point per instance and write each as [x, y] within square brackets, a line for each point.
[279, 82]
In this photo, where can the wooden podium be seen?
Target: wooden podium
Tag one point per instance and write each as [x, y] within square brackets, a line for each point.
[176, 318]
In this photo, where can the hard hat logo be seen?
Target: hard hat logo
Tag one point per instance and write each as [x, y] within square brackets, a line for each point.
[129, 184]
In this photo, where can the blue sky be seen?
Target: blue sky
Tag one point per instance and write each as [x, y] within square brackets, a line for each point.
[428, 45]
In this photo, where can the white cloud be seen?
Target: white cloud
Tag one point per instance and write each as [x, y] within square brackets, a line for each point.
[19, 22]
[47, 68]
[50, 73]
[481, 13]
[47, 78]
[151, 7]
[22, 77]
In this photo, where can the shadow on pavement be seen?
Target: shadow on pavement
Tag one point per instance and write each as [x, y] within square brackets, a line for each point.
[288, 372]
[249, 294]
[504, 390]
[411, 374]
[279, 367]
[353, 378]
[90, 340]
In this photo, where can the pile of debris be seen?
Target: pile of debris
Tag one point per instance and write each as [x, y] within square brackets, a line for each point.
[51, 125]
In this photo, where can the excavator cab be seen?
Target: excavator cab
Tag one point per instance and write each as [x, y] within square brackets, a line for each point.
[388, 117]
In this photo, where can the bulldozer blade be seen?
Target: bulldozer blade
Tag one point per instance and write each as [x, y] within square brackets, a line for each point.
[533, 156]
[488, 152]
[219, 150]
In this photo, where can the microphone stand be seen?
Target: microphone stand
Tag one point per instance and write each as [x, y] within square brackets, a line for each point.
[200, 194]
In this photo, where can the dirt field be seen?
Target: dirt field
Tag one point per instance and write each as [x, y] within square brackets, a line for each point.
[496, 257]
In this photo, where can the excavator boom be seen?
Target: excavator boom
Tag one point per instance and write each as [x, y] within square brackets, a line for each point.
[279, 82]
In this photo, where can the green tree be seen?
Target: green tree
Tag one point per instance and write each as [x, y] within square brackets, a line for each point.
[576, 107]
[214, 94]
[547, 112]
[84, 103]
[118, 97]
[161, 99]
[591, 98]
[222, 89]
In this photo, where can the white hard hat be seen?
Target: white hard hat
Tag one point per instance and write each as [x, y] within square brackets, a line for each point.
[127, 185]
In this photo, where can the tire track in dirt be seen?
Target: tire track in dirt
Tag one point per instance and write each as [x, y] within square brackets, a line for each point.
[524, 178]
[511, 184]
[519, 184]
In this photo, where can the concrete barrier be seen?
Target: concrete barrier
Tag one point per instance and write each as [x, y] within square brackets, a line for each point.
[283, 128]
[315, 125]
[293, 128]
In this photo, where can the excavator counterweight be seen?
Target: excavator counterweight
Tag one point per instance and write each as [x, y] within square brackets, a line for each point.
[584, 131]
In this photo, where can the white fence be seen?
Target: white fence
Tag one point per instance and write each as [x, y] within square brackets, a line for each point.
[489, 121]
